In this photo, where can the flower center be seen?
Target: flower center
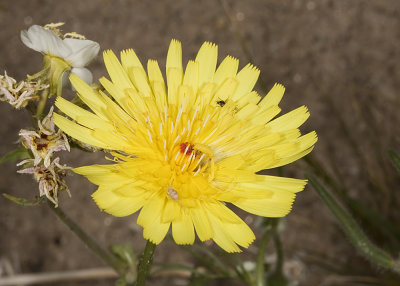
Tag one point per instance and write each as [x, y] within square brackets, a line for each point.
[180, 135]
[195, 159]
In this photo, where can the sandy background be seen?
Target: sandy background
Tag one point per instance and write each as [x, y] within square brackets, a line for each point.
[340, 58]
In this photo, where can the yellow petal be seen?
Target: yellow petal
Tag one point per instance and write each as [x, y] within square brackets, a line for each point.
[129, 59]
[81, 115]
[174, 69]
[117, 73]
[139, 78]
[207, 59]
[273, 97]
[89, 96]
[183, 230]
[222, 237]
[78, 132]
[290, 120]
[156, 231]
[151, 211]
[103, 174]
[241, 233]
[227, 69]
[116, 205]
[278, 205]
[191, 78]
[247, 79]
[201, 223]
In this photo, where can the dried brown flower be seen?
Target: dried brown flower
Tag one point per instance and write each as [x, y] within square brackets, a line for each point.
[45, 141]
[19, 94]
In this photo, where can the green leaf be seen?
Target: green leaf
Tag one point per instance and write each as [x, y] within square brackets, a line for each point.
[354, 232]
[395, 159]
[125, 253]
[22, 201]
[17, 154]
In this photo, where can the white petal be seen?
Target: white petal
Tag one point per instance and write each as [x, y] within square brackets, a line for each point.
[84, 74]
[45, 41]
[82, 51]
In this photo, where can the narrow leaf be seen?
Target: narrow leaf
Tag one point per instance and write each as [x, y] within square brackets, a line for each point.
[17, 154]
[22, 201]
[395, 159]
[353, 231]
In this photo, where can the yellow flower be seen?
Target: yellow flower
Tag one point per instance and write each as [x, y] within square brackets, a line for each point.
[185, 151]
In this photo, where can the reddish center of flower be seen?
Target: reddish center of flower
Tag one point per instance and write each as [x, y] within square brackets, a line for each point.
[186, 148]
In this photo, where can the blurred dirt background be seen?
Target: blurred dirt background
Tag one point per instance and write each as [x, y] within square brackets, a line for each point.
[339, 58]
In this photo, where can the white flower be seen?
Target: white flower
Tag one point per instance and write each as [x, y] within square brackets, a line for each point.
[77, 53]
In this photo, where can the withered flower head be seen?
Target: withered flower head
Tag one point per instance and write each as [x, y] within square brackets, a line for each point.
[18, 94]
[45, 141]
[50, 178]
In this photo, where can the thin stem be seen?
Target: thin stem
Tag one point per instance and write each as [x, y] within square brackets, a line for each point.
[87, 240]
[279, 253]
[260, 277]
[145, 263]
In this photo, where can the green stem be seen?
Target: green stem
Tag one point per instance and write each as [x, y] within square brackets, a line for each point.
[353, 231]
[395, 159]
[260, 277]
[279, 254]
[145, 263]
[321, 172]
[87, 240]
[42, 103]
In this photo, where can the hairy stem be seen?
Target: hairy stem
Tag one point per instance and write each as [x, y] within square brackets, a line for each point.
[87, 240]
[354, 232]
[145, 263]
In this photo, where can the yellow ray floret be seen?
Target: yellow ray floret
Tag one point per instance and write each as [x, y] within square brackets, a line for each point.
[185, 146]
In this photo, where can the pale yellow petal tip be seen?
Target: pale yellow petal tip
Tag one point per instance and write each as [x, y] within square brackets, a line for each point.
[175, 42]
[174, 55]
[108, 52]
[183, 243]
[127, 52]
[149, 238]
[175, 46]
[253, 68]
[278, 85]
[208, 46]
[315, 136]
[108, 55]
[79, 170]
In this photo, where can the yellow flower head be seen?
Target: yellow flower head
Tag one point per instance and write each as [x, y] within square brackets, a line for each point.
[183, 151]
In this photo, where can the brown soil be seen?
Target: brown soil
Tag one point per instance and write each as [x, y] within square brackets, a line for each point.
[340, 58]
